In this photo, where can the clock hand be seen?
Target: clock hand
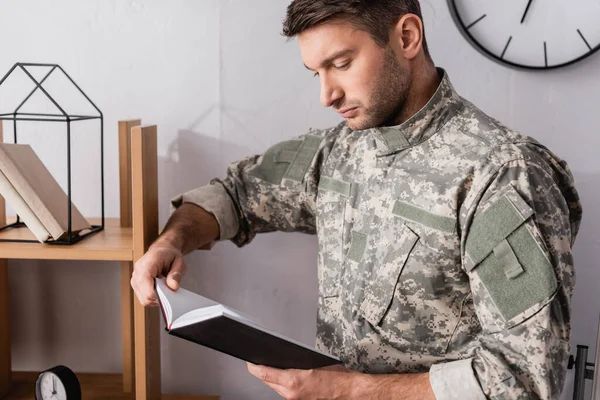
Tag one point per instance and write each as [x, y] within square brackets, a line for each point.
[53, 385]
[526, 11]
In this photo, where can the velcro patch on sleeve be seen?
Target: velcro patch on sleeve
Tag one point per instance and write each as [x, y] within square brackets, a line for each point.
[304, 156]
[510, 260]
[276, 161]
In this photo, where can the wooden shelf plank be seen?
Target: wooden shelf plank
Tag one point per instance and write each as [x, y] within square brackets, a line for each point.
[127, 321]
[114, 243]
[93, 387]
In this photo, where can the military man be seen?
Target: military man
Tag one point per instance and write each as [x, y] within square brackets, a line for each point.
[445, 267]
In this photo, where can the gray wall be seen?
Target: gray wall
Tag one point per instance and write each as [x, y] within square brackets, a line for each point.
[221, 83]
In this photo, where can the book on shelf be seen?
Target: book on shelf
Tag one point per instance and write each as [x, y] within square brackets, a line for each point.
[40, 192]
[22, 209]
[203, 321]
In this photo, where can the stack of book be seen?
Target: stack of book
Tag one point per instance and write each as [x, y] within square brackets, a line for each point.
[33, 193]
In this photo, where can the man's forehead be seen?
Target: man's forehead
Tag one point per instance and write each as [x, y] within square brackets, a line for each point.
[325, 41]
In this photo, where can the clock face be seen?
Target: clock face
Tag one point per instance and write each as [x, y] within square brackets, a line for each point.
[532, 34]
[50, 387]
[57, 383]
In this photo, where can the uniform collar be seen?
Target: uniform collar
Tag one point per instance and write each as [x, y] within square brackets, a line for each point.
[425, 123]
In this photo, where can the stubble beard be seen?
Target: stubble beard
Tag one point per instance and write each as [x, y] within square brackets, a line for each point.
[387, 97]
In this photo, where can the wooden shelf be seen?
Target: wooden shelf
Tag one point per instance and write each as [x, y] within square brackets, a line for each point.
[93, 387]
[114, 243]
[124, 240]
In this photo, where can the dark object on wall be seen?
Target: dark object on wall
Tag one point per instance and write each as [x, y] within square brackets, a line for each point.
[582, 372]
[64, 117]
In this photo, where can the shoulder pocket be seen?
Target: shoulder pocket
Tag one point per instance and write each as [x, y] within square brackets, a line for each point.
[505, 252]
[287, 160]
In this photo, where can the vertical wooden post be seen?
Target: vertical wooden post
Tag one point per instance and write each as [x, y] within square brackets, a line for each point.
[5, 360]
[126, 266]
[145, 230]
[125, 169]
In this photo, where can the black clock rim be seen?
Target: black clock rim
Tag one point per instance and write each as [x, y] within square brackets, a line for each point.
[492, 56]
[67, 377]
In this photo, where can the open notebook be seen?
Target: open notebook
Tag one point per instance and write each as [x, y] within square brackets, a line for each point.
[208, 323]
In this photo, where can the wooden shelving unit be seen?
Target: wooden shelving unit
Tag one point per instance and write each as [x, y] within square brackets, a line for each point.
[124, 240]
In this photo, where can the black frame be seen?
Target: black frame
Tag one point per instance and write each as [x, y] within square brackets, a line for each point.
[464, 31]
[62, 117]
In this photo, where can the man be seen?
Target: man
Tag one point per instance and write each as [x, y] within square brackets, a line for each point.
[445, 267]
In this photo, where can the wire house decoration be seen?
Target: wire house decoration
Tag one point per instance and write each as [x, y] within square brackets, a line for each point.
[61, 117]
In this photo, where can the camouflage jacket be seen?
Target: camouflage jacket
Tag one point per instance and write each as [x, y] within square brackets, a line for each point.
[444, 245]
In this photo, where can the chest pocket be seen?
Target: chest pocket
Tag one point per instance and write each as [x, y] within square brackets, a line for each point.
[333, 232]
[382, 268]
[410, 283]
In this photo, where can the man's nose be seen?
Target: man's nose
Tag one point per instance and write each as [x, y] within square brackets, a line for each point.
[330, 92]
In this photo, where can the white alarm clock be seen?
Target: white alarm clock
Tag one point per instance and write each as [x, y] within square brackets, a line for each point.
[57, 383]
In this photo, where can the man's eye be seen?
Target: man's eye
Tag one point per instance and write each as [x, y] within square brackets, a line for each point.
[343, 66]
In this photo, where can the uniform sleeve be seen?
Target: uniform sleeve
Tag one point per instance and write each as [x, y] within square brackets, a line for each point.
[275, 191]
[516, 242]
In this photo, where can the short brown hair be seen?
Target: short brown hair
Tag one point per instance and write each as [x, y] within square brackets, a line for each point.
[377, 17]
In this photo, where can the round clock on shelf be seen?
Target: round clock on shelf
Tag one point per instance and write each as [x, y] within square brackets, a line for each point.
[57, 383]
[530, 34]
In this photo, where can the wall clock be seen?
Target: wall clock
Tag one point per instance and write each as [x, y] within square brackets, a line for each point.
[530, 34]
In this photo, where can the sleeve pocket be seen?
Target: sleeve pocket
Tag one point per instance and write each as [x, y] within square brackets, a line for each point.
[506, 253]
[275, 162]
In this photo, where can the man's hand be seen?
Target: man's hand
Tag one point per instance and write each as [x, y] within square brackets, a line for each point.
[340, 383]
[188, 228]
[295, 384]
[160, 260]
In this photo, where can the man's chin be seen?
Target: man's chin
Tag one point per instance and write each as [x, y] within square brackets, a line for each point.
[358, 125]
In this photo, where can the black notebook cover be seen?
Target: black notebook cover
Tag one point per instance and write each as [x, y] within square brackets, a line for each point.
[239, 340]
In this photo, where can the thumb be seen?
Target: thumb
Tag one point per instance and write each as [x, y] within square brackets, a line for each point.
[178, 269]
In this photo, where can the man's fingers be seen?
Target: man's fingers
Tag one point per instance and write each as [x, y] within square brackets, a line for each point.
[137, 292]
[178, 269]
[266, 374]
[142, 283]
[145, 301]
[157, 262]
[145, 293]
[146, 290]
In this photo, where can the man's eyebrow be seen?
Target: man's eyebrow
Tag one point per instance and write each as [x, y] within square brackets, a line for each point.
[332, 58]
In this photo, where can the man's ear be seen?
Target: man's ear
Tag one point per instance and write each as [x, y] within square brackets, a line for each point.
[407, 36]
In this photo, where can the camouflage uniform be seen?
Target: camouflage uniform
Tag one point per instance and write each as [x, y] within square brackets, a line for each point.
[444, 245]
